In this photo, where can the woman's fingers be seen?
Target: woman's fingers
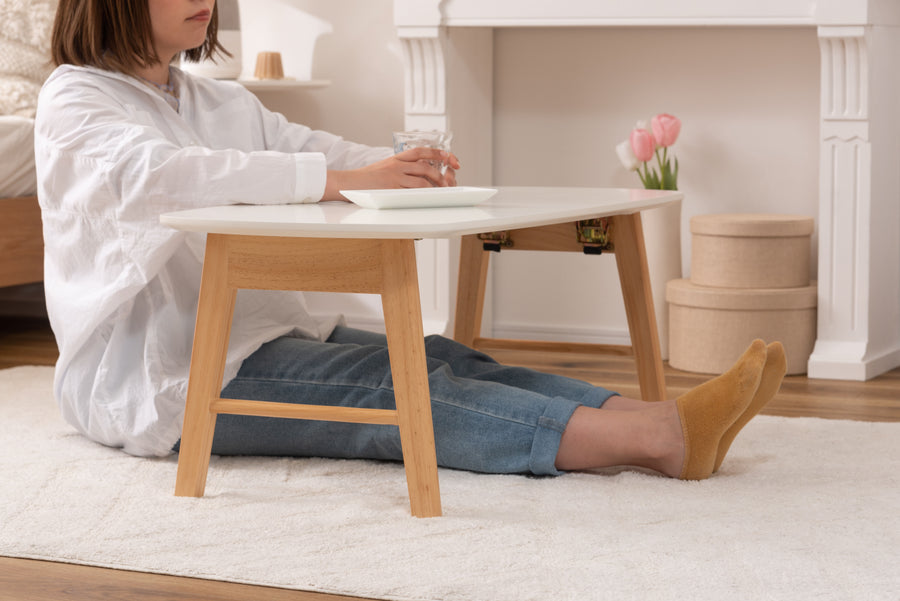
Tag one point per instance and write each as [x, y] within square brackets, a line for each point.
[435, 158]
[428, 174]
[413, 155]
[414, 168]
[452, 161]
[450, 177]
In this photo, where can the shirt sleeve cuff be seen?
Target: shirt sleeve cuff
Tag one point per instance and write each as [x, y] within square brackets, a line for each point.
[312, 172]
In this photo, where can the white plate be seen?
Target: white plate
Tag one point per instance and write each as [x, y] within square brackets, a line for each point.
[417, 198]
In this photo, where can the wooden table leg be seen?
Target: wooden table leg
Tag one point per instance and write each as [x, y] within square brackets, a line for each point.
[473, 268]
[406, 347]
[214, 314]
[634, 276]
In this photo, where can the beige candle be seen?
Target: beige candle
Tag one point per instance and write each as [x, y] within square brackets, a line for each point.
[268, 66]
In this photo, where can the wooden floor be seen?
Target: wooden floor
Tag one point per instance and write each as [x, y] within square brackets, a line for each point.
[30, 342]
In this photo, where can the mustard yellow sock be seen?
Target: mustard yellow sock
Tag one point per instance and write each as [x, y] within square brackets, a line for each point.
[769, 383]
[710, 409]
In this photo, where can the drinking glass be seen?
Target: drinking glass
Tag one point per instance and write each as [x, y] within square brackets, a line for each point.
[404, 140]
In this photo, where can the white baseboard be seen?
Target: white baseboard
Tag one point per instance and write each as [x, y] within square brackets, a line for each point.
[509, 330]
[530, 331]
[836, 365]
[847, 361]
[373, 323]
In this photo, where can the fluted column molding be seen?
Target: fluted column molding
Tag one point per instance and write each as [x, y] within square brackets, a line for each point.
[858, 332]
[425, 78]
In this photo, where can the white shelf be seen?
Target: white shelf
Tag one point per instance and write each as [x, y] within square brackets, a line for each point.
[268, 85]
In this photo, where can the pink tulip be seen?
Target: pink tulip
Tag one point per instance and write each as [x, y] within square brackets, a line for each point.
[642, 144]
[665, 129]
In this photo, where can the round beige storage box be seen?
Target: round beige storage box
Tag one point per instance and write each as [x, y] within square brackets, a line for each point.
[750, 251]
[709, 328]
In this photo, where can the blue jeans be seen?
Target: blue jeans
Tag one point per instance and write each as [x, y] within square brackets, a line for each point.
[487, 417]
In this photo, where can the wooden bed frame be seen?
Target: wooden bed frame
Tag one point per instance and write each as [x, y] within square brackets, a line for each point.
[21, 241]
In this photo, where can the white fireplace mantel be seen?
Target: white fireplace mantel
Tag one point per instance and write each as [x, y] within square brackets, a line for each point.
[448, 48]
[594, 13]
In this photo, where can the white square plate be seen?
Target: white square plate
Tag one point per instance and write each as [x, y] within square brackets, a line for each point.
[419, 198]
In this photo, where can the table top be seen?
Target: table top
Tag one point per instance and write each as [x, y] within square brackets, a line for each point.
[510, 208]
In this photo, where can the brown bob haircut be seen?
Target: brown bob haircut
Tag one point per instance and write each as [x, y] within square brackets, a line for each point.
[115, 35]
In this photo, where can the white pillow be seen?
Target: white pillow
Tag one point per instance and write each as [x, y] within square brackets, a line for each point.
[25, 28]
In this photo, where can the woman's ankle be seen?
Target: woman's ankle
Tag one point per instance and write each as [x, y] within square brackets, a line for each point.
[622, 403]
[665, 442]
[649, 438]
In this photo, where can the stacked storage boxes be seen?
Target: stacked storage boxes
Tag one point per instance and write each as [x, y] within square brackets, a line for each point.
[749, 279]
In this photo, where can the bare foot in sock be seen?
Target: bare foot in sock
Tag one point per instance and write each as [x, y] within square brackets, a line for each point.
[678, 438]
[769, 383]
[709, 410]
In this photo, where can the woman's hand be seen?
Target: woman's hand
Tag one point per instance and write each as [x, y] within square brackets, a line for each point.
[413, 168]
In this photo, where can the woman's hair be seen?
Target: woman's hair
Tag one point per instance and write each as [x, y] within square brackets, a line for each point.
[115, 35]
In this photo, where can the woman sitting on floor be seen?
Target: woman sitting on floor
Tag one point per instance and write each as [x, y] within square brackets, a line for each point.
[123, 136]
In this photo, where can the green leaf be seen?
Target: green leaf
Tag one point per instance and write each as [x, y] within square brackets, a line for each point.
[675, 176]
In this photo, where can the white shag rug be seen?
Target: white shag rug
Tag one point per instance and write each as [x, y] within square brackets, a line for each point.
[802, 509]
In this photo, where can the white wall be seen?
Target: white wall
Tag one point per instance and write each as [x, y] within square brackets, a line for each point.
[349, 42]
[748, 99]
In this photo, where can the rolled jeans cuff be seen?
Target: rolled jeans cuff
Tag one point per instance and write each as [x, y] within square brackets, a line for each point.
[550, 427]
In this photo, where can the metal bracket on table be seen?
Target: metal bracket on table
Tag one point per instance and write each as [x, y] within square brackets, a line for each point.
[593, 235]
[494, 241]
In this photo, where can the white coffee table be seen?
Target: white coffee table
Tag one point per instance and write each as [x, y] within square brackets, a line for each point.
[339, 247]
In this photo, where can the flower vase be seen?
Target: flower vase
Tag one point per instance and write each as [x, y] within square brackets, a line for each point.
[662, 239]
[223, 66]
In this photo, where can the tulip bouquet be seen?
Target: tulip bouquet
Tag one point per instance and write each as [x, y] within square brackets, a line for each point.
[645, 143]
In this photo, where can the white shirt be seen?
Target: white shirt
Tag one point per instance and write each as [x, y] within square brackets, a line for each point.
[111, 156]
